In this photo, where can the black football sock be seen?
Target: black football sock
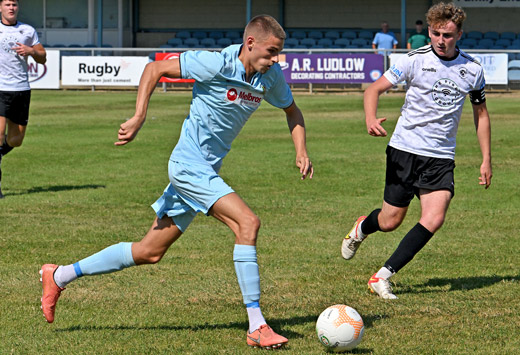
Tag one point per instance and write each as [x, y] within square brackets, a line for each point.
[371, 224]
[5, 148]
[411, 244]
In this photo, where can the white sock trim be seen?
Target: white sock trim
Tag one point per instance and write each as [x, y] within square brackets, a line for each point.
[384, 273]
[64, 275]
[256, 318]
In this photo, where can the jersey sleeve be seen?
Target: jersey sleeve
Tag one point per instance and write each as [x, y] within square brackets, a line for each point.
[376, 39]
[477, 96]
[200, 65]
[30, 36]
[279, 93]
[398, 72]
[34, 38]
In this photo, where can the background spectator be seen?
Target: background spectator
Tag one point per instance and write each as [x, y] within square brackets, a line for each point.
[419, 38]
[384, 39]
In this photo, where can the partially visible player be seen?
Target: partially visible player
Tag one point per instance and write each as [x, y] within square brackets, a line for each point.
[421, 152]
[17, 41]
[229, 87]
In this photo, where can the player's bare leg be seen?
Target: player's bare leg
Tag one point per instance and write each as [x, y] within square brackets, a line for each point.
[162, 234]
[14, 138]
[234, 212]
[391, 217]
[2, 139]
[434, 206]
[15, 134]
[3, 123]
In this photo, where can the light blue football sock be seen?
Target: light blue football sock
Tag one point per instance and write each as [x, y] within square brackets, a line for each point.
[114, 258]
[246, 267]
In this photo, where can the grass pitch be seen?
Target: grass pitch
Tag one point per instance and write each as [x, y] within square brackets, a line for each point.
[70, 192]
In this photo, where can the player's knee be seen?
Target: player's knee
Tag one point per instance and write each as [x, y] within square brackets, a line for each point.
[253, 222]
[143, 255]
[154, 258]
[15, 141]
[432, 223]
[150, 259]
[248, 229]
[249, 221]
[390, 224]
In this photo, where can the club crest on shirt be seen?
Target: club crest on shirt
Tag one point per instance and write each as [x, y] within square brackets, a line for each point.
[445, 92]
[243, 97]
[7, 43]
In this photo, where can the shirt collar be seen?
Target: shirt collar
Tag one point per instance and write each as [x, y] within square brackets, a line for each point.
[16, 23]
[446, 59]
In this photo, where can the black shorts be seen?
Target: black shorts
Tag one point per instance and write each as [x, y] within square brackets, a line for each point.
[14, 105]
[407, 173]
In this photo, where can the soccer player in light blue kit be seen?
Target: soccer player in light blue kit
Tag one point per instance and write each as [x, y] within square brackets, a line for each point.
[229, 87]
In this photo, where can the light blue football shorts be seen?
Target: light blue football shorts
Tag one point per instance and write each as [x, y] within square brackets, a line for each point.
[193, 188]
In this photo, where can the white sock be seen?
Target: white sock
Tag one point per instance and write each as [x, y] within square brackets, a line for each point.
[256, 319]
[64, 274]
[360, 233]
[384, 273]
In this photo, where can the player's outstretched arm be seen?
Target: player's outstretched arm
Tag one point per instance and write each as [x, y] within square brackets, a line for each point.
[151, 75]
[297, 128]
[483, 127]
[370, 102]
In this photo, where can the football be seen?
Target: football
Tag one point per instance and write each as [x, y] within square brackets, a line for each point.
[340, 328]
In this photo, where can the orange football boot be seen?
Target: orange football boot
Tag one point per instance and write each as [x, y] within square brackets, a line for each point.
[51, 292]
[265, 337]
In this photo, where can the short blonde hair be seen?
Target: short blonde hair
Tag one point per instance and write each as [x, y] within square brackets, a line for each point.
[262, 26]
[442, 13]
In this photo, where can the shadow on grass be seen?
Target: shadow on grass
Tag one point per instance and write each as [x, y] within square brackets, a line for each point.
[279, 324]
[457, 284]
[57, 188]
[353, 351]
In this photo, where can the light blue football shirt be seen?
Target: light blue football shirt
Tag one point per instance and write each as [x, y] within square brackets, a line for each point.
[222, 103]
[384, 41]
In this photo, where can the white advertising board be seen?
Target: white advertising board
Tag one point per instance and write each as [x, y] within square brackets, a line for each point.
[109, 71]
[45, 76]
[495, 66]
